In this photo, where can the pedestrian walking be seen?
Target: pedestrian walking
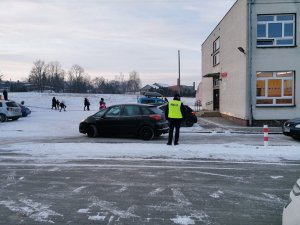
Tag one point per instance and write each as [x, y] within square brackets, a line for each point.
[86, 104]
[57, 103]
[54, 103]
[174, 114]
[102, 104]
[5, 94]
[62, 106]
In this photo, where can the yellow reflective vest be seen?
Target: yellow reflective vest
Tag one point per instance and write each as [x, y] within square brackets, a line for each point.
[174, 111]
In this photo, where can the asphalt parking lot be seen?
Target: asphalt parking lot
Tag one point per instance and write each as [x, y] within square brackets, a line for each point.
[144, 192]
[147, 191]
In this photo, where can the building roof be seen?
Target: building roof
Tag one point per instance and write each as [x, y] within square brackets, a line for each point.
[161, 85]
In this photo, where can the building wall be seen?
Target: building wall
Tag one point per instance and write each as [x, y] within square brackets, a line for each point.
[275, 59]
[232, 31]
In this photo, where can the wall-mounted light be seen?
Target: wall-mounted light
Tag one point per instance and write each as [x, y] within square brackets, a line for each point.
[242, 50]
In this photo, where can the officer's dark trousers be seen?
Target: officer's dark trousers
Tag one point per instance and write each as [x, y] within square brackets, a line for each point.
[174, 123]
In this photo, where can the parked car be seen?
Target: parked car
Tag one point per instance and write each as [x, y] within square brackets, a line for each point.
[9, 110]
[153, 98]
[152, 101]
[291, 214]
[190, 115]
[144, 121]
[292, 128]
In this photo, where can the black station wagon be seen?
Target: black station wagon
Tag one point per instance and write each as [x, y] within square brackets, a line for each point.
[144, 121]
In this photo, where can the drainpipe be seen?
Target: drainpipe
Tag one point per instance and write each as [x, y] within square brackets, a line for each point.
[249, 59]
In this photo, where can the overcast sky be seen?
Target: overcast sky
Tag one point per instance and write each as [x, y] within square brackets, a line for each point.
[109, 37]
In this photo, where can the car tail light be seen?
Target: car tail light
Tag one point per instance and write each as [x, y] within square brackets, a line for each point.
[156, 117]
[193, 113]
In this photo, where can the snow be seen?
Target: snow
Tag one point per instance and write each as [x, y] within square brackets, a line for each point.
[44, 123]
[35, 210]
[183, 220]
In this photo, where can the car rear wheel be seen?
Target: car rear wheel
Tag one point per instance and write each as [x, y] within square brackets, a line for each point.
[92, 131]
[146, 133]
[2, 118]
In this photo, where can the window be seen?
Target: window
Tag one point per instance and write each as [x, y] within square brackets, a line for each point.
[101, 113]
[113, 112]
[275, 88]
[216, 45]
[276, 30]
[131, 110]
[216, 52]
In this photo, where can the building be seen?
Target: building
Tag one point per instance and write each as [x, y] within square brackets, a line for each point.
[250, 63]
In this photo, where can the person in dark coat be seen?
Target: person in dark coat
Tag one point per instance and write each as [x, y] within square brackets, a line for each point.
[5, 94]
[174, 114]
[57, 103]
[86, 104]
[62, 106]
[54, 103]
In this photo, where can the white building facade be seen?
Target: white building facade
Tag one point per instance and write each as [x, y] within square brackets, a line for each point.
[250, 62]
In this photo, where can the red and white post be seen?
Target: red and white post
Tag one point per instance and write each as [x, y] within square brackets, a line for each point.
[266, 135]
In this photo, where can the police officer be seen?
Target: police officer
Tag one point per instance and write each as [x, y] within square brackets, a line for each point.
[174, 114]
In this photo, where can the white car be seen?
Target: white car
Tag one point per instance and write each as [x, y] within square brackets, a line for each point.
[9, 110]
[291, 211]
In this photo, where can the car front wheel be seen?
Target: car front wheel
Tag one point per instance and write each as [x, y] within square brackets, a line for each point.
[146, 133]
[92, 131]
[2, 118]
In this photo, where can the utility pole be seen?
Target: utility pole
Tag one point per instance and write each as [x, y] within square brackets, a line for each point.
[178, 82]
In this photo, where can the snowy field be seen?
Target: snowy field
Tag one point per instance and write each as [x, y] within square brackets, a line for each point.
[44, 123]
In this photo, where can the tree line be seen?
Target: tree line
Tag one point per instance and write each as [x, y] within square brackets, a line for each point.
[51, 76]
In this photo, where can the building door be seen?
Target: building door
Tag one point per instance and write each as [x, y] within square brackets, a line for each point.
[216, 104]
[216, 93]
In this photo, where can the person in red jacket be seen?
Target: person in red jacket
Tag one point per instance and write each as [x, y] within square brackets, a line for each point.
[102, 104]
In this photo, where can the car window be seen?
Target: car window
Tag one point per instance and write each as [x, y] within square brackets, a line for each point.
[100, 113]
[131, 110]
[113, 111]
[11, 104]
[155, 110]
[151, 110]
[0, 104]
[163, 107]
[146, 111]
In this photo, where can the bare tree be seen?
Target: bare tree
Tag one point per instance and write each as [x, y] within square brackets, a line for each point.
[134, 82]
[99, 84]
[38, 74]
[76, 79]
[1, 76]
[56, 76]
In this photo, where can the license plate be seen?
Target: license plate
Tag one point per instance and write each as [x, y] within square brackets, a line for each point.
[286, 129]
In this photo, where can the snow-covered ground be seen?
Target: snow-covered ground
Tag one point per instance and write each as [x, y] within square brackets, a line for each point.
[45, 123]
